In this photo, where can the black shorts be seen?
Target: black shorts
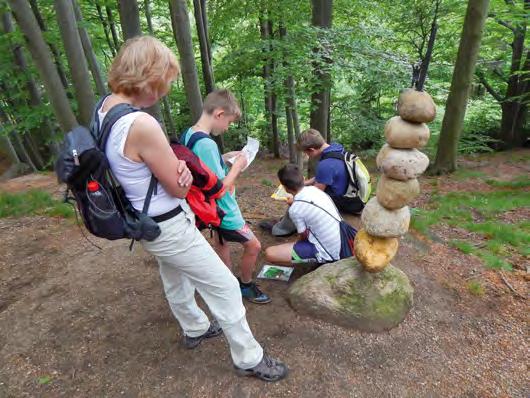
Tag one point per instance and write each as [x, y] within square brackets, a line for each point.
[242, 235]
[348, 205]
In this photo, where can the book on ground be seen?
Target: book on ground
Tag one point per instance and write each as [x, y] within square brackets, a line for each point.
[275, 272]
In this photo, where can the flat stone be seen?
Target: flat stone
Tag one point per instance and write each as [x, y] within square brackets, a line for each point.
[405, 135]
[374, 253]
[344, 294]
[401, 164]
[395, 194]
[416, 106]
[378, 221]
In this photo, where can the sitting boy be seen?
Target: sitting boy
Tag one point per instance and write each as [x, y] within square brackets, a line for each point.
[220, 109]
[316, 220]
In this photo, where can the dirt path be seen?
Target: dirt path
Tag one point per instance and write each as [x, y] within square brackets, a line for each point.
[78, 322]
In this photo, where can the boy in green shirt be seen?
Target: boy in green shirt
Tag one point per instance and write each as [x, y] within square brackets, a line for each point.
[220, 108]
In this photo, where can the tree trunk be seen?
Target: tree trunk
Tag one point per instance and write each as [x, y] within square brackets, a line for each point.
[53, 48]
[10, 151]
[322, 12]
[204, 10]
[290, 135]
[182, 33]
[112, 26]
[43, 60]
[207, 72]
[76, 60]
[106, 29]
[129, 18]
[89, 51]
[455, 109]
[428, 54]
[270, 95]
[147, 9]
[41, 134]
[207, 69]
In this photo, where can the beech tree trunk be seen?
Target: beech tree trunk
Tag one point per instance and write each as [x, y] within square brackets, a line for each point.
[182, 33]
[42, 58]
[90, 56]
[76, 60]
[455, 110]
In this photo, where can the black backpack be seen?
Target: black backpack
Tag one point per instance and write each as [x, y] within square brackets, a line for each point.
[82, 161]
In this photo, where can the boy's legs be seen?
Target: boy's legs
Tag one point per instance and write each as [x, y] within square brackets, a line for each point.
[251, 250]
[301, 251]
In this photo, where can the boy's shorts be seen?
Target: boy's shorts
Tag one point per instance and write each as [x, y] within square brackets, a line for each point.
[242, 235]
[304, 252]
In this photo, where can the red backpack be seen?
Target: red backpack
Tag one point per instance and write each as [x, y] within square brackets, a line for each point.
[206, 188]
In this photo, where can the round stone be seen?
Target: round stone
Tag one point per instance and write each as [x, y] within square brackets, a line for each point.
[401, 164]
[404, 135]
[374, 253]
[378, 221]
[395, 194]
[416, 106]
[344, 294]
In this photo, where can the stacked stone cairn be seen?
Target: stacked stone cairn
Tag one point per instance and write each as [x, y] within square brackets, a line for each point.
[386, 217]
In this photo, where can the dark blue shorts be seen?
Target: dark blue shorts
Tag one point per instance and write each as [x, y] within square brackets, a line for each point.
[304, 252]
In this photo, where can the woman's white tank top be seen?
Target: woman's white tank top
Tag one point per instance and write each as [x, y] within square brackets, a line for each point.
[134, 176]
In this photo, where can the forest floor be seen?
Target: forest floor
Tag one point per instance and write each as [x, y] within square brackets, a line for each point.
[79, 322]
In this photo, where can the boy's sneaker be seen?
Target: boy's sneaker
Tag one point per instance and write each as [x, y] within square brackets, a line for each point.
[213, 331]
[269, 369]
[251, 292]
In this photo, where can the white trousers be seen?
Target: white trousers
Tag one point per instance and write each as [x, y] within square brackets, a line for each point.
[188, 263]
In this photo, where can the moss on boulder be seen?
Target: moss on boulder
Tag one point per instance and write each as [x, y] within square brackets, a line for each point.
[344, 294]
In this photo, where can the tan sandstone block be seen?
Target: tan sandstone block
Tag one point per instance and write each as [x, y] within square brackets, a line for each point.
[374, 253]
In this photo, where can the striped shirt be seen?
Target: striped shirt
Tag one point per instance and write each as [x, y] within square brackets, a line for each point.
[324, 228]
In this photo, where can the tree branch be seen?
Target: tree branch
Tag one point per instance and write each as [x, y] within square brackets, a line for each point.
[488, 88]
[501, 22]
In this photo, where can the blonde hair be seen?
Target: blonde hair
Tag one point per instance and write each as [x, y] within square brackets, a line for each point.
[224, 100]
[143, 65]
[310, 139]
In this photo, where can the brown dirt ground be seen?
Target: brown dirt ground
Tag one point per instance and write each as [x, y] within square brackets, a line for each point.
[96, 323]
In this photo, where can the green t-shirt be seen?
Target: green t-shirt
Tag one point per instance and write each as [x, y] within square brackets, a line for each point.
[207, 150]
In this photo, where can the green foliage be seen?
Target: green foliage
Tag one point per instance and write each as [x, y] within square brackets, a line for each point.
[479, 213]
[33, 202]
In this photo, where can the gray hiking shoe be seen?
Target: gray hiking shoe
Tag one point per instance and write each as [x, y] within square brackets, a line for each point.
[269, 369]
[213, 331]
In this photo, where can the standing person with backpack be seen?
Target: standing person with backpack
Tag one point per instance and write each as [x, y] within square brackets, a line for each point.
[137, 150]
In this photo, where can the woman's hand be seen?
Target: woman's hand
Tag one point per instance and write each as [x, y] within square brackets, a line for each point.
[241, 162]
[185, 177]
[229, 155]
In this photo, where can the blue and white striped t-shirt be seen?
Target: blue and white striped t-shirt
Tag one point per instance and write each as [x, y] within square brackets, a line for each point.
[323, 227]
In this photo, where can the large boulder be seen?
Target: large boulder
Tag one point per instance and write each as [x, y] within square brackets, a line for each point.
[344, 294]
[416, 106]
[395, 194]
[401, 164]
[405, 135]
[378, 221]
[374, 253]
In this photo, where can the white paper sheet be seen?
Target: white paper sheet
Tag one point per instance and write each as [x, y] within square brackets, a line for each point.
[249, 151]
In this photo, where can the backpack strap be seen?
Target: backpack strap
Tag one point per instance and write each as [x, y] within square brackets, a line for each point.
[332, 155]
[102, 134]
[195, 137]
[321, 208]
[113, 115]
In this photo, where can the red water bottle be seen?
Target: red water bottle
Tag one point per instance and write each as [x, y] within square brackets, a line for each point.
[98, 197]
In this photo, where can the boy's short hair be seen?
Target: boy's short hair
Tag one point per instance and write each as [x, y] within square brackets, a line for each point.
[291, 177]
[223, 99]
[143, 65]
[310, 139]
